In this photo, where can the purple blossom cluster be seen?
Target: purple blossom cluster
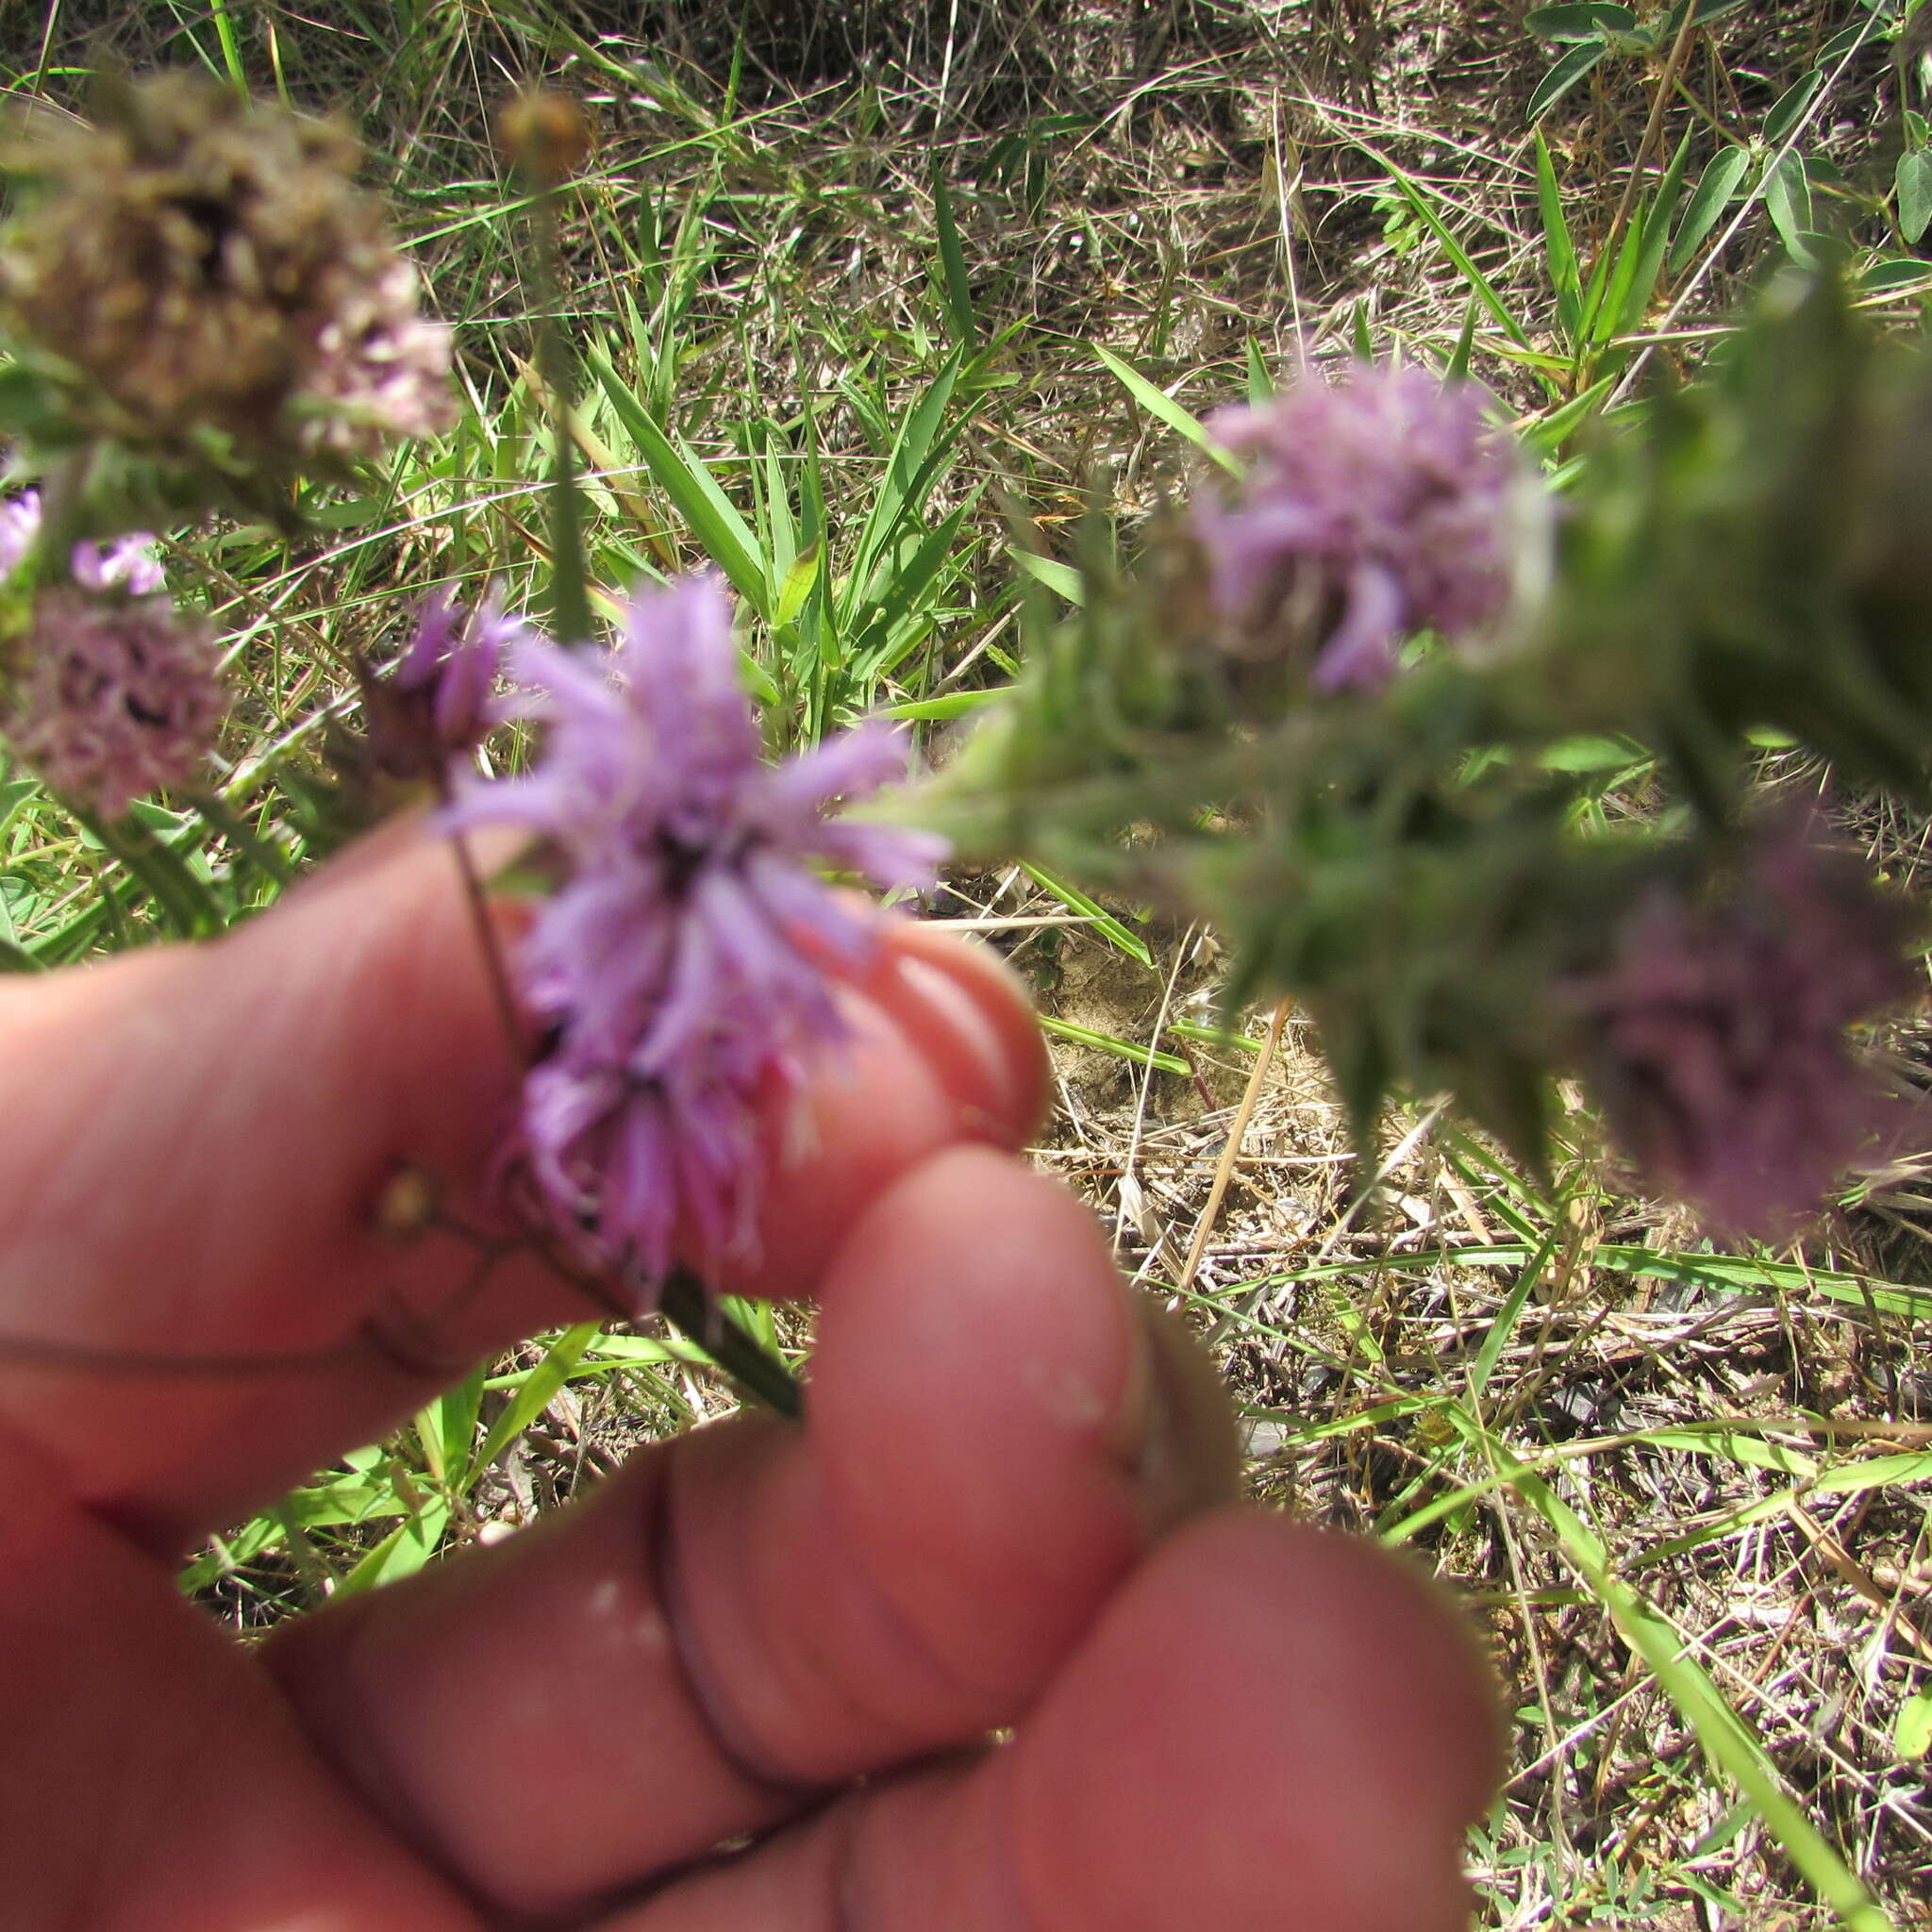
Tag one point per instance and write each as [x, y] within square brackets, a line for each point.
[439, 703]
[679, 976]
[380, 368]
[1376, 503]
[120, 698]
[120, 695]
[1716, 1032]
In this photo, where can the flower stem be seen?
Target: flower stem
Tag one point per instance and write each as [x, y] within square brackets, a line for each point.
[696, 1315]
[570, 601]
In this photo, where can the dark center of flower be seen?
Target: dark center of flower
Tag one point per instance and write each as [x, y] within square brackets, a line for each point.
[216, 221]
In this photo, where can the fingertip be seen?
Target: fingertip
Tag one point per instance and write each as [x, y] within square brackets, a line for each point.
[1301, 1711]
[971, 1012]
[942, 1051]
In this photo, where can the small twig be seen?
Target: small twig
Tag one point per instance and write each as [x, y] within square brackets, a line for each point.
[1224, 1172]
[1666, 84]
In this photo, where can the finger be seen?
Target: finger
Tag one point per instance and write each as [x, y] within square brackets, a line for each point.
[737, 1623]
[1270, 1727]
[203, 1136]
[152, 1781]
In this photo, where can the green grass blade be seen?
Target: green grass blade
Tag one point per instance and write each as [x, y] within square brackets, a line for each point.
[1480, 285]
[1163, 407]
[1108, 1042]
[405, 1550]
[954, 282]
[685, 479]
[1560, 250]
[1103, 923]
[538, 1390]
[1726, 1741]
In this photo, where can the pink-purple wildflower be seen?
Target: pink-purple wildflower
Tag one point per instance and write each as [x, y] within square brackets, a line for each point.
[679, 976]
[120, 697]
[117, 693]
[1716, 1032]
[380, 368]
[439, 703]
[1378, 502]
[20, 528]
[122, 563]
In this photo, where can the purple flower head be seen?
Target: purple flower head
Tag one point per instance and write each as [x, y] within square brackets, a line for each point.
[1376, 503]
[20, 528]
[119, 698]
[380, 368]
[439, 703]
[680, 974]
[122, 563]
[1717, 1032]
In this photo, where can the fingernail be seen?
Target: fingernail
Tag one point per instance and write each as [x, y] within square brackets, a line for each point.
[1177, 1435]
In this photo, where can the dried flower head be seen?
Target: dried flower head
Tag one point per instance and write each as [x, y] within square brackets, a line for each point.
[121, 696]
[1716, 1032]
[547, 134]
[203, 260]
[1376, 503]
[680, 973]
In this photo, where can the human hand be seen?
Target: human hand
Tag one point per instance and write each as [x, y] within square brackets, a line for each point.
[1007, 1507]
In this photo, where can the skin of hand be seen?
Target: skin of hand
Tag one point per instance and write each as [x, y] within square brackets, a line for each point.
[1010, 1510]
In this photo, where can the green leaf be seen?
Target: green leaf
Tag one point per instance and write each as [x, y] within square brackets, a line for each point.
[1649, 234]
[1062, 579]
[1364, 343]
[799, 580]
[1893, 272]
[1789, 108]
[1563, 76]
[1559, 251]
[1788, 201]
[955, 282]
[923, 442]
[1591, 754]
[1913, 181]
[1911, 1736]
[14, 794]
[1717, 187]
[1260, 377]
[953, 703]
[1586, 23]
[403, 1551]
[539, 1387]
[165, 867]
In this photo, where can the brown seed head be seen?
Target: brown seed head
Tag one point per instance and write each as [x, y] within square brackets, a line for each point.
[546, 133]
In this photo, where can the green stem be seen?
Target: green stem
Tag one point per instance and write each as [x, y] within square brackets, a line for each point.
[570, 597]
[696, 1315]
